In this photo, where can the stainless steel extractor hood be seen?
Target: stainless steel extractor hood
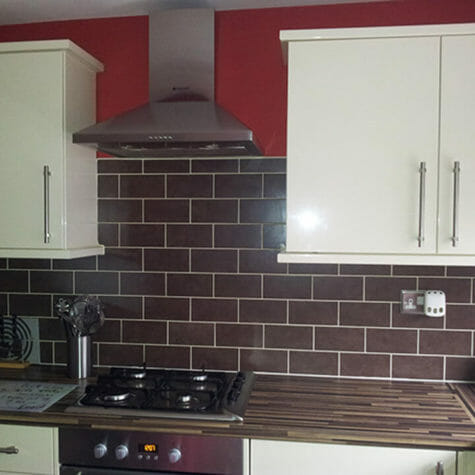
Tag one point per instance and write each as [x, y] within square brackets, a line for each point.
[181, 119]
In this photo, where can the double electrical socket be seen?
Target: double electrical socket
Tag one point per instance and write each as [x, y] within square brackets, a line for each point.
[423, 302]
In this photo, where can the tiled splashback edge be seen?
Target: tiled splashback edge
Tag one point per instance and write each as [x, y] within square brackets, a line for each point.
[190, 279]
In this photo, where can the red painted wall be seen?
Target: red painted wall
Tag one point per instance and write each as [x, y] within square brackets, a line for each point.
[250, 76]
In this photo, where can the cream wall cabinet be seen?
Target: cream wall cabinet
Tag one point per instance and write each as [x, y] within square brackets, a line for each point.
[35, 450]
[48, 185]
[298, 458]
[381, 150]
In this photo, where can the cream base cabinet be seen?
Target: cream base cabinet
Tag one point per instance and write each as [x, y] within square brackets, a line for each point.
[466, 463]
[36, 450]
[378, 119]
[48, 185]
[297, 458]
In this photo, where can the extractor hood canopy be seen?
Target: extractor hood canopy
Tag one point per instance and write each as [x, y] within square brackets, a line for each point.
[181, 119]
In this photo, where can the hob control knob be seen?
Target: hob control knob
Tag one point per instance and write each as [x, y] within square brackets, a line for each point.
[121, 451]
[99, 451]
[174, 455]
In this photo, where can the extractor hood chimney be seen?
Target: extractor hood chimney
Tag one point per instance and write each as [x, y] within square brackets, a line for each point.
[181, 119]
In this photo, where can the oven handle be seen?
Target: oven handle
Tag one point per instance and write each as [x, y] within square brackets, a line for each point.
[75, 470]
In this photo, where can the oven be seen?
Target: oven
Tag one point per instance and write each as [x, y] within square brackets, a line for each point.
[153, 393]
[100, 452]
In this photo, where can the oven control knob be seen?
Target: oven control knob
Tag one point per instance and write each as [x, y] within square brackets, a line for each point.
[99, 451]
[174, 455]
[121, 451]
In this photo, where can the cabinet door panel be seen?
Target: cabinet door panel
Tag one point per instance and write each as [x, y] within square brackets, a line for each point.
[457, 142]
[31, 104]
[362, 114]
[296, 458]
[37, 449]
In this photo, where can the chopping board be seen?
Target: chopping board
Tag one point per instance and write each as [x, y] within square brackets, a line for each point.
[31, 396]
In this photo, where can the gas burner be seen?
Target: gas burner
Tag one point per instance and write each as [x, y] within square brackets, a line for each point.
[200, 377]
[187, 401]
[129, 373]
[115, 395]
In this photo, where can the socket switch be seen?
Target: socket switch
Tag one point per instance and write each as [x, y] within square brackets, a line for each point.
[412, 302]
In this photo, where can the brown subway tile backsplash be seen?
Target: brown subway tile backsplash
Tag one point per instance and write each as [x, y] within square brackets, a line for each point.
[214, 310]
[190, 284]
[339, 339]
[338, 288]
[262, 211]
[365, 365]
[224, 359]
[391, 341]
[437, 342]
[166, 211]
[117, 211]
[142, 235]
[13, 281]
[238, 186]
[214, 211]
[271, 361]
[418, 367]
[238, 235]
[167, 308]
[365, 314]
[166, 166]
[262, 311]
[456, 290]
[388, 288]
[313, 313]
[189, 235]
[291, 287]
[305, 362]
[214, 260]
[166, 260]
[142, 186]
[173, 357]
[236, 335]
[286, 336]
[260, 261]
[189, 186]
[190, 279]
[144, 332]
[191, 334]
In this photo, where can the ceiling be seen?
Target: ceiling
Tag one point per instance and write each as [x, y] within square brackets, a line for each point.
[28, 11]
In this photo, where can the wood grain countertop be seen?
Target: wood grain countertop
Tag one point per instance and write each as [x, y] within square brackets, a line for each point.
[311, 409]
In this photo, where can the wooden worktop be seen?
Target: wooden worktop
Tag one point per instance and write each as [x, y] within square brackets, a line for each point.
[334, 410]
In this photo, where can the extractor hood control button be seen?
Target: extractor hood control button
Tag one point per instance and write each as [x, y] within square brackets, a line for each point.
[99, 451]
[174, 455]
[121, 451]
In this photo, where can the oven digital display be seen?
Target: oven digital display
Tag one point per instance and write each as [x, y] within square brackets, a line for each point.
[148, 448]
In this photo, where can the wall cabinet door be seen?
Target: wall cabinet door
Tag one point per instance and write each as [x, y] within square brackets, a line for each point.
[363, 115]
[457, 144]
[296, 458]
[37, 449]
[381, 145]
[48, 196]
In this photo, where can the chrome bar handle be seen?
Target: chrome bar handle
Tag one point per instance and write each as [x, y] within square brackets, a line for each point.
[46, 175]
[455, 220]
[439, 468]
[12, 450]
[422, 202]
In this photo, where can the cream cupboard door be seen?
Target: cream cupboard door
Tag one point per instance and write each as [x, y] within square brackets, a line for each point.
[457, 144]
[363, 115]
[37, 450]
[31, 104]
[298, 458]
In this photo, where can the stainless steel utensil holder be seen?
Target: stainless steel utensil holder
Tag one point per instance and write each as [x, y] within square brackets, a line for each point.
[79, 356]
